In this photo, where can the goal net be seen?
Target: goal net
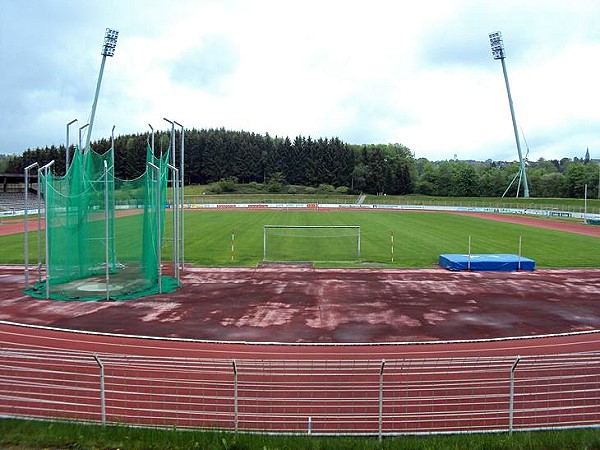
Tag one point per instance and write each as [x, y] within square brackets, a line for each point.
[311, 243]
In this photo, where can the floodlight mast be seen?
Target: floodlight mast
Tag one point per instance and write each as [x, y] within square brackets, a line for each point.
[108, 49]
[498, 52]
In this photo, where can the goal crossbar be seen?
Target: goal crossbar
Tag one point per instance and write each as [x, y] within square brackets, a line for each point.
[308, 247]
[313, 226]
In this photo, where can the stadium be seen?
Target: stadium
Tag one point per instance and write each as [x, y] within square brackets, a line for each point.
[296, 347]
[124, 302]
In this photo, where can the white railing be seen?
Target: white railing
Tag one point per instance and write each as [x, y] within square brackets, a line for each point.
[372, 397]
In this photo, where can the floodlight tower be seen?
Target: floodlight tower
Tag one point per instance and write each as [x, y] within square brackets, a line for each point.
[498, 53]
[108, 49]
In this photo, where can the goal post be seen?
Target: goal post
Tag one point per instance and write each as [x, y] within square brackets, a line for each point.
[311, 243]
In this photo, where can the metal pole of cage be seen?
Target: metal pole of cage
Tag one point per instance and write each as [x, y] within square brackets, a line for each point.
[26, 222]
[112, 196]
[181, 197]
[47, 227]
[67, 151]
[158, 227]
[175, 212]
[106, 231]
[152, 139]
[39, 225]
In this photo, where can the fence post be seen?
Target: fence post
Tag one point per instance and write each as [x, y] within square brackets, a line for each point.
[235, 396]
[380, 434]
[102, 396]
[512, 394]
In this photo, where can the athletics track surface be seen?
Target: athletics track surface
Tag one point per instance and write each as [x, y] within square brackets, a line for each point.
[430, 305]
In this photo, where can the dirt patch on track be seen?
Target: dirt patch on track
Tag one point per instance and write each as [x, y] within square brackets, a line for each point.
[303, 305]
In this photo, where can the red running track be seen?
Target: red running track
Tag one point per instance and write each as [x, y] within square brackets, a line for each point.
[343, 389]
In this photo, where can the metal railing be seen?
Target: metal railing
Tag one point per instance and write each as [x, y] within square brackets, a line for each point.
[371, 397]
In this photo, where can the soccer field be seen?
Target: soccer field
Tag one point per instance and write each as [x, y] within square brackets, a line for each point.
[419, 238]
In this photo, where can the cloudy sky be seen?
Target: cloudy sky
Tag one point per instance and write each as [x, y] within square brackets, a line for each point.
[376, 71]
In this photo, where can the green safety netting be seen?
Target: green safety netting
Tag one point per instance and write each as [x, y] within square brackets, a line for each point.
[91, 254]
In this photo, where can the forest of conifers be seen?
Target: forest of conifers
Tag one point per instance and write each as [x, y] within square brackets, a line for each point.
[212, 155]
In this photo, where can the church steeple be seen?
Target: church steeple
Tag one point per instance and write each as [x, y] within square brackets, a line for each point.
[587, 156]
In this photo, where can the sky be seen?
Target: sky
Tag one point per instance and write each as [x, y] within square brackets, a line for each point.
[368, 72]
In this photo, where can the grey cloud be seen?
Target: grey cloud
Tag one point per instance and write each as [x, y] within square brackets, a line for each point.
[574, 137]
[528, 28]
[455, 45]
[374, 112]
[461, 46]
[205, 66]
[46, 68]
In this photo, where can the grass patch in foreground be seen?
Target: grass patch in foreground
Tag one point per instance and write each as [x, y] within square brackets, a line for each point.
[25, 435]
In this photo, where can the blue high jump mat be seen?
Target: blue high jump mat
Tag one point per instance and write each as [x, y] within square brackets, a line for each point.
[489, 262]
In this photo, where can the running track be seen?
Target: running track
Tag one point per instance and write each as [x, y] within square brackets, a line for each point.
[338, 389]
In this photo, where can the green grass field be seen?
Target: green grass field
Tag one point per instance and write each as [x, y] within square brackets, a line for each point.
[419, 238]
[26, 435]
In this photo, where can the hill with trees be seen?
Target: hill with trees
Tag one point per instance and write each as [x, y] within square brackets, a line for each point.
[212, 155]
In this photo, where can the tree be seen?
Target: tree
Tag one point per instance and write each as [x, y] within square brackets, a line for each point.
[551, 185]
[492, 182]
[427, 177]
[444, 177]
[276, 182]
[358, 181]
[377, 166]
[465, 181]
[4, 162]
[575, 176]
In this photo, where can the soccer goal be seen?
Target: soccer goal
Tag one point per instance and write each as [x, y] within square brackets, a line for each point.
[311, 243]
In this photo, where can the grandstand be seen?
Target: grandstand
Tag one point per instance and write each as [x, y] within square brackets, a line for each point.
[11, 201]
[12, 189]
